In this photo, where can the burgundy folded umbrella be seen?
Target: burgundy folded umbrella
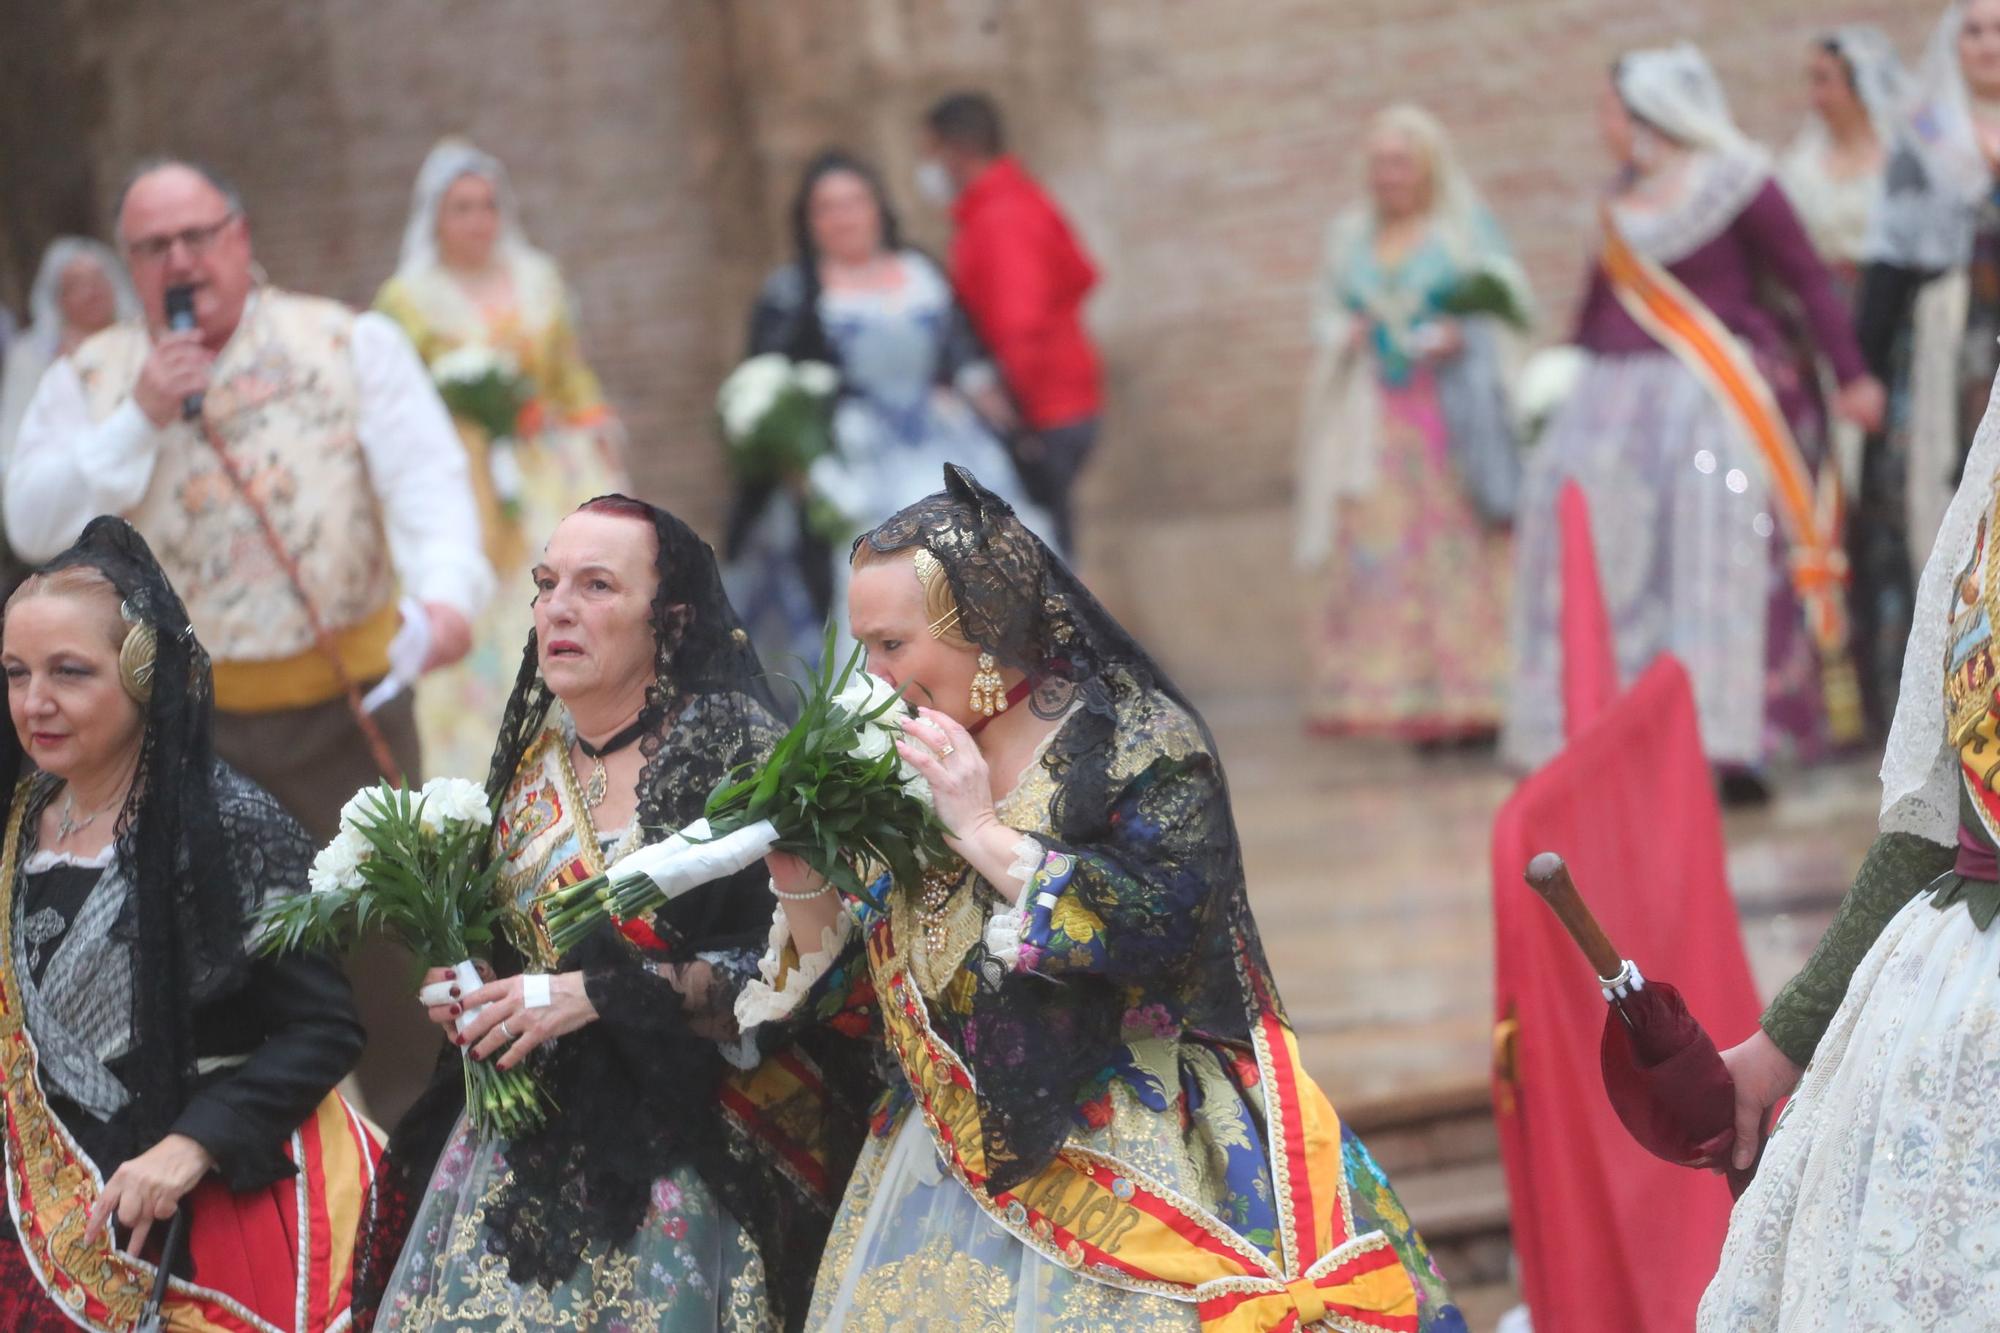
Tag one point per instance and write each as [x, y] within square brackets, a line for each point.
[1665, 1078]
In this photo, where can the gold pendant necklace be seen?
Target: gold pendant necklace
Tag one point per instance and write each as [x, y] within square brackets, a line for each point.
[599, 783]
[932, 903]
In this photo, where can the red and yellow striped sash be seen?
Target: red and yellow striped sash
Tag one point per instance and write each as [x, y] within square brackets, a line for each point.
[53, 1185]
[1107, 1220]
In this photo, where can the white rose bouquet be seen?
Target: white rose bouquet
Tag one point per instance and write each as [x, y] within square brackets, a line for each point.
[834, 792]
[420, 867]
[1543, 385]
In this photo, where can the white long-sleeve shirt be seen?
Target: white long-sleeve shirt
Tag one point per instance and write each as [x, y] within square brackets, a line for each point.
[67, 469]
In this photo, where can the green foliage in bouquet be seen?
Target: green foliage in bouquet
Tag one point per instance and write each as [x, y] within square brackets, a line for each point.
[839, 795]
[834, 792]
[1483, 293]
[416, 866]
[776, 416]
[491, 400]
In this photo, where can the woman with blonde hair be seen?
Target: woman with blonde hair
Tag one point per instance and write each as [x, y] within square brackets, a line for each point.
[1408, 466]
[151, 1062]
[1092, 1111]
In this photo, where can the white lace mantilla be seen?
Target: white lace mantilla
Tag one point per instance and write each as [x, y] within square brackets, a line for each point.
[1919, 771]
[1719, 187]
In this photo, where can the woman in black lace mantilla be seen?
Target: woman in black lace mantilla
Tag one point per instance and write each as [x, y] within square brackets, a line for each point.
[1096, 1116]
[659, 1194]
[148, 1062]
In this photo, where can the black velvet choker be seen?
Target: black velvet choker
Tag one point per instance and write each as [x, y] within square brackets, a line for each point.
[616, 743]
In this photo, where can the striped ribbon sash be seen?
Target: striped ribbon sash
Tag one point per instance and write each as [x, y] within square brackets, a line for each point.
[1110, 1221]
[278, 1260]
[1810, 511]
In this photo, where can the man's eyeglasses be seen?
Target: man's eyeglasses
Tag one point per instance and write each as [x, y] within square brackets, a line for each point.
[152, 249]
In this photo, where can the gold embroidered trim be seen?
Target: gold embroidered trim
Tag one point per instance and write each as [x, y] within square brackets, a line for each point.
[53, 1184]
[895, 983]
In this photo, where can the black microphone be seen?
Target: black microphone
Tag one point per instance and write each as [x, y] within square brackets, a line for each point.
[180, 316]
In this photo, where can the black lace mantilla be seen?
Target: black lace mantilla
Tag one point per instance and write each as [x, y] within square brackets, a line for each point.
[196, 841]
[635, 1089]
[1033, 1043]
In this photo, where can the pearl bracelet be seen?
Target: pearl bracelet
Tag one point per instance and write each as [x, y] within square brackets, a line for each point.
[782, 896]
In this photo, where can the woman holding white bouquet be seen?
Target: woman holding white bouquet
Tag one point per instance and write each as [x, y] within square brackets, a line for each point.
[649, 1197]
[916, 391]
[1409, 469]
[1094, 1115]
[149, 1062]
[493, 319]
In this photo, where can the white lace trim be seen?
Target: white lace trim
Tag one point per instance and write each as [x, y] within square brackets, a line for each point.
[1873, 1207]
[1004, 930]
[1028, 856]
[764, 1001]
[1720, 186]
[1919, 770]
[1009, 921]
[42, 861]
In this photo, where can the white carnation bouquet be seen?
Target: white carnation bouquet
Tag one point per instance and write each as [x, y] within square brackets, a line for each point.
[420, 867]
[485, 386]
[834, 792]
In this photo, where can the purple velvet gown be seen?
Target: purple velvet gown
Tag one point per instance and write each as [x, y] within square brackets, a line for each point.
[1688, 544]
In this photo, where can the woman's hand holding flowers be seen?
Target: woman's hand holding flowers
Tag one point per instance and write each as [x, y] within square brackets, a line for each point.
[509, 1023]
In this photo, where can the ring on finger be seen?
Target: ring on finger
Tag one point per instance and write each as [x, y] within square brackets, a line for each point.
[945, 749]
[506, 1031]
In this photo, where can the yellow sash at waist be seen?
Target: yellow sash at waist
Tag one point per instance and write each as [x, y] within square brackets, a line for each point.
[308, 678]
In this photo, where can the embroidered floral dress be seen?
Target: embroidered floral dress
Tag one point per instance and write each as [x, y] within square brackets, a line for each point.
[1409, 638]
[688, 1264]
[915, 1245]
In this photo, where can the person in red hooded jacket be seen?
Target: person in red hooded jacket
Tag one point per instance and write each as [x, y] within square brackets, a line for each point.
[1022, 277]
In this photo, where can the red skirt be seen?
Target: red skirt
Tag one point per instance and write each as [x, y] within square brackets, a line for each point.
[273, 1260]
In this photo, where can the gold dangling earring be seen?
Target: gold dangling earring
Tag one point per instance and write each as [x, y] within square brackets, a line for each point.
[989, 695]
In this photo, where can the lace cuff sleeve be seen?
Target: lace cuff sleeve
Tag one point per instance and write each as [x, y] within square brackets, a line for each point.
[1005, 926]
[785, 978]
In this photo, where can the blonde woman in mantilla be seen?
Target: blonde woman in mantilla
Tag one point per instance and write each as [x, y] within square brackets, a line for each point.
[468, 277]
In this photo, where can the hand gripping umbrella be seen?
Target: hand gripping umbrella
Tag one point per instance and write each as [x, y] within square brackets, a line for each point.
[1665, 1078]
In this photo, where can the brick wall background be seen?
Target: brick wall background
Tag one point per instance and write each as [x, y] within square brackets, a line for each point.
[1201, 146]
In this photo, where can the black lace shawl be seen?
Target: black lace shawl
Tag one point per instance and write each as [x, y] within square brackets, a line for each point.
[1033, 1042]
[191, 881]
[635, 1089]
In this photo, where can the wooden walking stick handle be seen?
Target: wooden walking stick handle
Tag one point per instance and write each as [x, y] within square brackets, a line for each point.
[1549, 877]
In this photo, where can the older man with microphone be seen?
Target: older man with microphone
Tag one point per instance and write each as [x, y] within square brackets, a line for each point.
[292, 466]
